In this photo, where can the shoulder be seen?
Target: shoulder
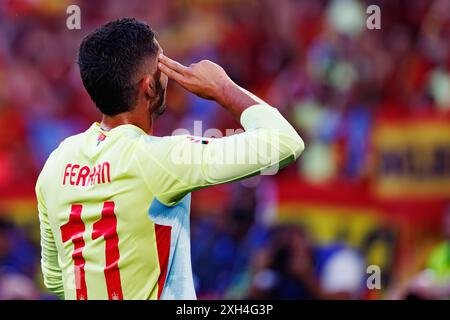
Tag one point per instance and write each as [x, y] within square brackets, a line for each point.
[161, 143]
[165, 139]
[171, 146]
[71, 141]
[67, 144]
[168, 141]
[53, 159]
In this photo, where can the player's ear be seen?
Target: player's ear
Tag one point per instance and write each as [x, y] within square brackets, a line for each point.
[147, 86]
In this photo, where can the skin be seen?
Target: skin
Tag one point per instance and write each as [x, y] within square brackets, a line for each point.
[205, 79]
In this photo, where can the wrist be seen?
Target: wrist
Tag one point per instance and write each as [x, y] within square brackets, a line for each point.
[234, 99]
[225, 92]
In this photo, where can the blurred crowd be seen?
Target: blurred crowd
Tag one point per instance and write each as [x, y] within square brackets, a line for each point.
[316, 61]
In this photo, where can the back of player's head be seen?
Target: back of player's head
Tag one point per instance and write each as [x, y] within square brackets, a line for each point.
[110, 58]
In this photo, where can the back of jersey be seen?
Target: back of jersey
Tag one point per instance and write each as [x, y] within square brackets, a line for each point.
[96, 202]
[114, 206]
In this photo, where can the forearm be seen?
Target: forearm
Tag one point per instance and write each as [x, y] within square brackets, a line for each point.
[208, 80]
[49, 255]
[49, 263]
[236, 100]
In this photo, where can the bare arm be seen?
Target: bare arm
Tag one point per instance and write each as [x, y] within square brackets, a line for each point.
[268, 143]
[208, 80]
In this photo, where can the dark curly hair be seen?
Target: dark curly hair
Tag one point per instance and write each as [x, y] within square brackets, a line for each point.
[109, 59]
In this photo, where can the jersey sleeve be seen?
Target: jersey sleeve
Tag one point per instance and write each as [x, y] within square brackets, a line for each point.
[174, 166]
[49, 256]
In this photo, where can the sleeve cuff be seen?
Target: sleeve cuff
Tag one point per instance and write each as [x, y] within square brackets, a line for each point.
[257, 116]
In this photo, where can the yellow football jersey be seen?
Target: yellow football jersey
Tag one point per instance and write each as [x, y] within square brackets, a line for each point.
[114, 205]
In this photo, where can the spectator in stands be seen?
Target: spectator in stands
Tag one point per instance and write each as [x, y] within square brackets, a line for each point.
[434, 281]
[290, 267]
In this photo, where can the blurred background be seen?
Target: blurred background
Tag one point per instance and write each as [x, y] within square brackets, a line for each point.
[363, 214]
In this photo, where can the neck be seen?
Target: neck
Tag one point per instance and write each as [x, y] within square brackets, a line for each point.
[142, 121]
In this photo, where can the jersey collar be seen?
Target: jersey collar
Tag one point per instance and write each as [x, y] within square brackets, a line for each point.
[129, 128]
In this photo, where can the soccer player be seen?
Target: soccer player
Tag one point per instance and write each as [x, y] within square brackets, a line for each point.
[114, 200]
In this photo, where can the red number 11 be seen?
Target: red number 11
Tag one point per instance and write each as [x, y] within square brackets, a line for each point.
[106, 227]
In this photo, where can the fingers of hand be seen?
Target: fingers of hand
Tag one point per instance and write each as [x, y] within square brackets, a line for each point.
[172, 74]
[172, 64]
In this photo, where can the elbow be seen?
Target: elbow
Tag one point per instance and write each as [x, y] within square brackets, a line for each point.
[298, 147]
[292, 146]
